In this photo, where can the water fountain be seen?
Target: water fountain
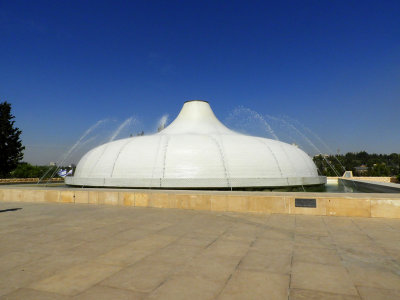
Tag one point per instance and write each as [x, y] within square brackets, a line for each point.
[196, 151]
[162, 123]
[66, 155]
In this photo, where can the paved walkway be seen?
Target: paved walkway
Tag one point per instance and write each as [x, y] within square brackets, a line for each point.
[66, 251]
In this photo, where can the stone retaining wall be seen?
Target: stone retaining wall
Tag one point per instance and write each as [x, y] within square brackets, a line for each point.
[332, 204]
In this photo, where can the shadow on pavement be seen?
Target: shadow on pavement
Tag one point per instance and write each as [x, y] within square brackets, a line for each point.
[10, 209]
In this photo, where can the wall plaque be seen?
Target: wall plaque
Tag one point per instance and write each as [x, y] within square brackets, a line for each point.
[302, 202]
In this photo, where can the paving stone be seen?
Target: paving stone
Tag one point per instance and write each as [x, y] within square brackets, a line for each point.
[144, 276]
[309, 221]
[227, 248]
[298, 294]
[90, 250]
[275, 263]
[373, 277]
[202, 236]
[76, 279]
[246, 284]
[309, 230]
[99, 292]
[364, 258]
[241, 233]
[176, 254]
[187, 287]
[132, 234]
[324, 278]
[26, 293]
[341, 225]
[86, 251]
[177, 229]
[54, 247]
[318, 255]
[11, 260]
[197, 242]
[51, 264]
[14, 279]
[287, 222]
[211, 267]
[349, 239]
[276, 233]
[135, 250]
[312, 240]
[271, 246]
[369, 293]
[123, 256]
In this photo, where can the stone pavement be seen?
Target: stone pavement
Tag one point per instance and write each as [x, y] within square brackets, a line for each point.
[66, 251]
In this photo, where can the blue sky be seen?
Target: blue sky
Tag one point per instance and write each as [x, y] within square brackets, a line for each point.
[333, 66]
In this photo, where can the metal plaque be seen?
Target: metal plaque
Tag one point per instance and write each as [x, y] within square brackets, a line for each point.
[301, 202]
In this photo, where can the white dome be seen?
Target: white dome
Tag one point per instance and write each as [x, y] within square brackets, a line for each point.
[196, 151]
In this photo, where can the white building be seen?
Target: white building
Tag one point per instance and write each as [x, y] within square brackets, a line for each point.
[196, 151]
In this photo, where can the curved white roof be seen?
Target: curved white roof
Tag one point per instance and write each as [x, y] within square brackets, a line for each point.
[195, 151]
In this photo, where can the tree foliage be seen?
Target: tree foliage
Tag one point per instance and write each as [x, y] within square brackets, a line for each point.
[11, 148]
[25, 170]
[376, 164]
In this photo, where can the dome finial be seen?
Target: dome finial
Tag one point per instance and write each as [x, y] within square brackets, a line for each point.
[196, 100]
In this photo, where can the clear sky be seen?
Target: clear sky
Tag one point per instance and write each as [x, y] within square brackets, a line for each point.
[333, 66]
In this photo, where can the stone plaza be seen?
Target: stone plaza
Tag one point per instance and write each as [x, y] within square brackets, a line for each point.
[83, 251]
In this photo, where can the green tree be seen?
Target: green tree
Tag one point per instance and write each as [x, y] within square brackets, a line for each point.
[10, 144]
[378, 164]
[26, 170]
[379, 169]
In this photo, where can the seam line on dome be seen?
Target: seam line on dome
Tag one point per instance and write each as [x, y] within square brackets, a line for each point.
[221, 153]
[97, 160]
[165, 158]
[306, 159]
[296, 172]
[273, 155]
[100, 156]
[115, 161]
[155, 159]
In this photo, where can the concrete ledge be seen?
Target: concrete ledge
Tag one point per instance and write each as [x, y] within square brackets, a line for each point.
[326, 204]
[370, 186]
